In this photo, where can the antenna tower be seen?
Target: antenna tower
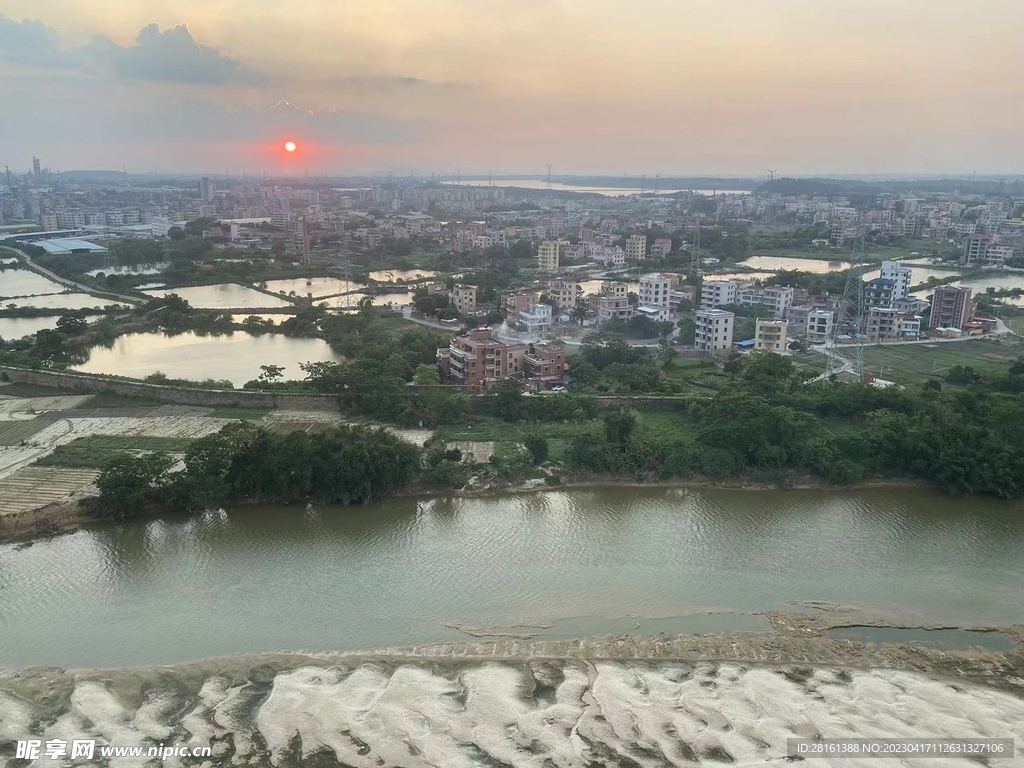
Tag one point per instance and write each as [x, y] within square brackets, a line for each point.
[850, 320]
[549, 176]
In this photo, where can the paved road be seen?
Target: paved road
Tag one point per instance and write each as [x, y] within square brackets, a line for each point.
[71, 283]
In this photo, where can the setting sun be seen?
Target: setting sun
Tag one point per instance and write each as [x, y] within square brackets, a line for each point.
[289, 146]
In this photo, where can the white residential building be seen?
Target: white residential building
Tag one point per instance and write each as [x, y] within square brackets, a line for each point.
[776, 297]
[636, 248]
[819, 326]
[714, 328]
[536, 318]
[901, 277]
[718, 293]
[656, 313]
[655, 289]
[771, 335]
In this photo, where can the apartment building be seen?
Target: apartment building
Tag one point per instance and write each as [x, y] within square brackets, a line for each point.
[613, 308]
[776, 297]
[464, 299]
[549, 254]
[771, 335]
[718, 293]
[714, 329]
[661, 247]
[636, 248]
[655, 289]
[879, 292]
[564, 292]
[881, 324]
[819, 326]
[475, 357]
[951, 307]
[901, 277]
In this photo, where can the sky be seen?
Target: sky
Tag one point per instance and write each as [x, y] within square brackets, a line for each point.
[676, 87]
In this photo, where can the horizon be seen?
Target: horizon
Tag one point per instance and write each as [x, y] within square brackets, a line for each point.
[450, 84]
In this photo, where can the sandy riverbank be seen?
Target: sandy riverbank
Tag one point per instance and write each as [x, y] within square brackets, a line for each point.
[683, 700]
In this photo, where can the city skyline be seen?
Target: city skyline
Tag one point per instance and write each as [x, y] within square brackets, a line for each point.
[596, 88]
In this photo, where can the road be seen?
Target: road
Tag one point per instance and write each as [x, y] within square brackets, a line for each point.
[71, 283]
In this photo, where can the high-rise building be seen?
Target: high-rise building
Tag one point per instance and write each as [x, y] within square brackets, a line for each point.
[951, 307]
[901, 277]
[714, 328]
[205, 188]
[36, 171]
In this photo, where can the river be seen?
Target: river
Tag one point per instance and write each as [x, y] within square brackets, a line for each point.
[593, 561]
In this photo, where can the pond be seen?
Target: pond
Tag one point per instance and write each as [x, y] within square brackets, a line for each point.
[317, 286]
[23, 282]
[236, 357]
[17, 327]
[398, 275]
[223, 296]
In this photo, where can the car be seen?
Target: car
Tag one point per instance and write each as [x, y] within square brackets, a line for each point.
[558, 389]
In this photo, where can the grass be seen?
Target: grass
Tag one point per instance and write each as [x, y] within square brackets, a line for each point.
[1015, 324]
[245, 414]
[97, 450]
[914, 364]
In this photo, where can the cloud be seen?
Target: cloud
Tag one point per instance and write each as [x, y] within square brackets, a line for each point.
[32, 43]
[170, 56]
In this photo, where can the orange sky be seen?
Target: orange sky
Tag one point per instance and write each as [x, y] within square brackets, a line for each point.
[617, 86]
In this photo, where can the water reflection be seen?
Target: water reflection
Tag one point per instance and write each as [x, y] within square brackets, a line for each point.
[399, 572]
[223, 296]
[22, 282]
[236, 357]
[16, 327]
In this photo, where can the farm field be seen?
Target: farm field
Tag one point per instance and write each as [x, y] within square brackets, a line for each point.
[97, 450]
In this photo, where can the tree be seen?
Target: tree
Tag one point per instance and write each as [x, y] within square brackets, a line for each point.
[506, 400]
[619, 426]
[270, 373]
[426, 374]
[278, 248]
[127, 482]
[72, 323]
[537, 446]
[176, 233]
[667, 356]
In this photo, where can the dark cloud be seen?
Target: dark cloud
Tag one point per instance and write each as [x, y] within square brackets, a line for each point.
[171, 55]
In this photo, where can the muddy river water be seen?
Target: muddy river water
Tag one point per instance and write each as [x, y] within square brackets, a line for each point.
[583, 562]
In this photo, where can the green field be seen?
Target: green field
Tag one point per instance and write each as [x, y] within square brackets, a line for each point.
[660, 424]
[97, 450]
[912, 364]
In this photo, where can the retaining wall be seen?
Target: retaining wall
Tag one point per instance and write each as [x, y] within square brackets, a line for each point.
[241, 398]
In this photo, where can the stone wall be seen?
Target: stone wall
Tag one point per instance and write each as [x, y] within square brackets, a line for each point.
[85, 384]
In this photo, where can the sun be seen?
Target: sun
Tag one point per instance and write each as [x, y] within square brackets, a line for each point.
[289, 146]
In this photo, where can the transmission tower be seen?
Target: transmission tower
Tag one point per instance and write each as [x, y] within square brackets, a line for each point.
[695, 259]
[549, 177]
[850, 320]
